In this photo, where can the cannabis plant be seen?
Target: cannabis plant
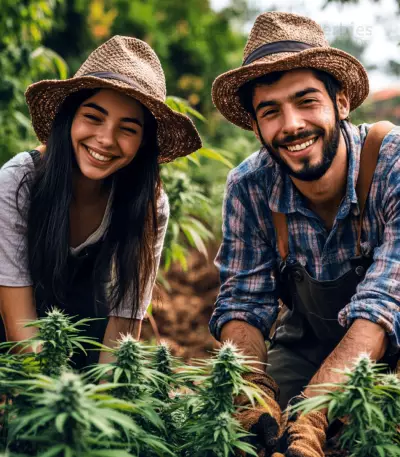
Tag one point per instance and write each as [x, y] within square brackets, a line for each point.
[370, 401]
[211, 424]
[144, 403]
[69, 417]
[56, 341]
[14, 368]
[137, 382]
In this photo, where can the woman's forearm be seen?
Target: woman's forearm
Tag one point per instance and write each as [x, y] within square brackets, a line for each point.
[116, 327]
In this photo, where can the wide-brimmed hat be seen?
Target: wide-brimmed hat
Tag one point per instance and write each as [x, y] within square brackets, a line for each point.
[130, 66]
[280, 42]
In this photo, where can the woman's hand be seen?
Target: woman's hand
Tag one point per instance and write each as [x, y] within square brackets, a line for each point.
[41, 148]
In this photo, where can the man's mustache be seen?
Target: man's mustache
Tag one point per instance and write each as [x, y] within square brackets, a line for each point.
[300, 136]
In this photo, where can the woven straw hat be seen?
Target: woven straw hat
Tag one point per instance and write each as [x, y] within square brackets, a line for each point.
[285, 41]
[130, 66]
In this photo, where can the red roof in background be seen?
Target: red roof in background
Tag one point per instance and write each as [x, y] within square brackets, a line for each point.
[385, 94]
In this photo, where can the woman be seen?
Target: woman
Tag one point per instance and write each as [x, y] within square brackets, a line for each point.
[82, 224]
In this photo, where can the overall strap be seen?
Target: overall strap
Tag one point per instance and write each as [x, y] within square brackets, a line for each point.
[35, 154]
[368, 161]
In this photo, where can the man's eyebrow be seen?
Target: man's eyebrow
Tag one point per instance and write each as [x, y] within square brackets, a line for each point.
[95, 106]
[266, 103]
[104, 111]
[302, 93]
[299, 94]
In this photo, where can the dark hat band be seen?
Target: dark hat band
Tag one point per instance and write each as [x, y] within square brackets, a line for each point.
[111, 75]
[275, 48]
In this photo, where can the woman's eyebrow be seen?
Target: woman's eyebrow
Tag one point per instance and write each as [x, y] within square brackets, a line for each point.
[95, 106]
[102, 110]
[132, 119]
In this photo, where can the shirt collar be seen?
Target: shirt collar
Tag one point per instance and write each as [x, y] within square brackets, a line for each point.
[285, 198]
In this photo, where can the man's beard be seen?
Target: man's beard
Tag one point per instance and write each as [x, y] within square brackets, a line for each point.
[308, 172]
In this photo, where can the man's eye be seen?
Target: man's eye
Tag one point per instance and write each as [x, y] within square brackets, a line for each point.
[93, 118]
[269, 112]
[308, 101]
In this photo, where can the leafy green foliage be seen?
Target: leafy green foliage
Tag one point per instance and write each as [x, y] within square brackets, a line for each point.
[370, 401]
[190, 207]
[22, 61]
[211, 422]
[143, 403]
[58, 337]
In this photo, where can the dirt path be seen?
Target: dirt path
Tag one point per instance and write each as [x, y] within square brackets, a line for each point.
[182, 314]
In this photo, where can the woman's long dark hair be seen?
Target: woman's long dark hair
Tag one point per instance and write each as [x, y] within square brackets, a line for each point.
[128, 245]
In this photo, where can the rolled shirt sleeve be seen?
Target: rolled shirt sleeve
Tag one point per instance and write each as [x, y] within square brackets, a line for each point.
[14, 271]
[377, 298]
[163, 216]
[246, 262]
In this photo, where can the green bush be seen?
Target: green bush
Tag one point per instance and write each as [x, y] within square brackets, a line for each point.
[144, 403]
[369, 399]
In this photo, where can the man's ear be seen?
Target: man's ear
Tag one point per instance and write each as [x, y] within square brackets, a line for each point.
[343, 104]
[255, 129]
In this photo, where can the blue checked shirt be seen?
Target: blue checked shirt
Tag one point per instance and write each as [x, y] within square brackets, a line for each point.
[248, 257]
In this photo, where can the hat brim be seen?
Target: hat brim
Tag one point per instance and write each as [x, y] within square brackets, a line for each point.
[176, 134]
[343, 66]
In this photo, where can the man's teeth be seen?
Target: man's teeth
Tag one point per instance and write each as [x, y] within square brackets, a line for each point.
[98, 156]
[299, 147]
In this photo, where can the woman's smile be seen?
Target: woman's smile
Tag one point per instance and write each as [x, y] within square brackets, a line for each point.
[99, 156]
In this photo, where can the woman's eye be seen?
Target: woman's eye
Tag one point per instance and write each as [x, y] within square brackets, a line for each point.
[127, 129]
[92, 118]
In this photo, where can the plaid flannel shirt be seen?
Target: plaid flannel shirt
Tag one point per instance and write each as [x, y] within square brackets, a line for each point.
[248, 257]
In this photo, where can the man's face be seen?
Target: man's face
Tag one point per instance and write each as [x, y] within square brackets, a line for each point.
[297, 122]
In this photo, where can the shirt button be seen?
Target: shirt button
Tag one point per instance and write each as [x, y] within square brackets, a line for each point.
[360, 271]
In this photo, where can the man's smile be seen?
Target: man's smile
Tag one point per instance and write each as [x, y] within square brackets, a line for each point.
[300, 145]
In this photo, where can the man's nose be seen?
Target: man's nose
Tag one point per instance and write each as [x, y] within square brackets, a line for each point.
[292, 121]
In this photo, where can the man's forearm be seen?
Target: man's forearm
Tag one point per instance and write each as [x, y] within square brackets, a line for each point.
[362, 337]
[248, 339]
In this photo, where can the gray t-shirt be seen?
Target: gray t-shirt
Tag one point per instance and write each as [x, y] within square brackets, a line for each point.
[14, 270]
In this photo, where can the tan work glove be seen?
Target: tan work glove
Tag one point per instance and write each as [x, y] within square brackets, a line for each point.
[305, 435]
[264, 423]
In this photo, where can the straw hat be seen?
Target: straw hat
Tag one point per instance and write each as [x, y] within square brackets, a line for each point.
[284, 41]
[130, 66]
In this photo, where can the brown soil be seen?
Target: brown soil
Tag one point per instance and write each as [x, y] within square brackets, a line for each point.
[182, 314]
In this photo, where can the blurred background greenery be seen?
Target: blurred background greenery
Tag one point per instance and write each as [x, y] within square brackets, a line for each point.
[42, 39]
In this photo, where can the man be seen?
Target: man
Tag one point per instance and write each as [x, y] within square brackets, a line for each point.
[296, 227]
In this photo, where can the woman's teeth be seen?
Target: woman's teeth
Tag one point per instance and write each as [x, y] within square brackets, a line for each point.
[299, 147]
[98, 156]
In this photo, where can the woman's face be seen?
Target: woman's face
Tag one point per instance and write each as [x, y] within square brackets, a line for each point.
[106, 133]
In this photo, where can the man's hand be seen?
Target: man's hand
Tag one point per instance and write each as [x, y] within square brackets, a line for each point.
[264, 423]
[305, 435]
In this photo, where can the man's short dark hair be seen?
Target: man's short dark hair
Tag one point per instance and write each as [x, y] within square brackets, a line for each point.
[246, 92]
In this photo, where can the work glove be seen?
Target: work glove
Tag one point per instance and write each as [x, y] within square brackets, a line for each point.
[264, 423]
[305, 435]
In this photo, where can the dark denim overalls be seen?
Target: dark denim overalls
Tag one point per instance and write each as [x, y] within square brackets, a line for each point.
[309, 329]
